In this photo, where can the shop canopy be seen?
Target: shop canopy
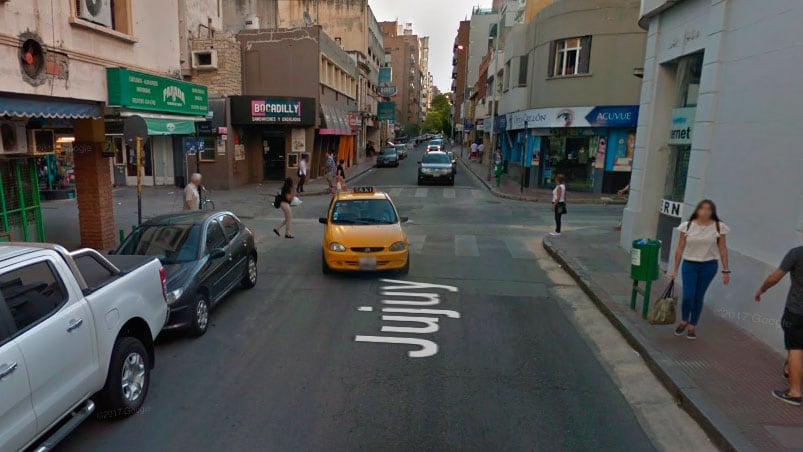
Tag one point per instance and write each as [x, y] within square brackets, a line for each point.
[158, 126]
[51, 108]
[335, 121]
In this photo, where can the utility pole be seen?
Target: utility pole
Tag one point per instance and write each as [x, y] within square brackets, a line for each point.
[496, 82]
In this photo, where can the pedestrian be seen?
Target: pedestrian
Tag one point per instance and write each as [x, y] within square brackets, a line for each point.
[302, 173]
[622, 191]
[192, 193]
[340, 175]
[285, 198]
[700, 247]
[473, 154]
[480, 150]
[559, 202]
[791, 322]
[330, 170]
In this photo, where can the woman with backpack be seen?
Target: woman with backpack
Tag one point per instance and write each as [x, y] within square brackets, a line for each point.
[282, 201]
[700, 248]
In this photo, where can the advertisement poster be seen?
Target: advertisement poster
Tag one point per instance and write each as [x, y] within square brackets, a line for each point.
[239, 152]
[602, 153]
[220, 144]
[299, 138]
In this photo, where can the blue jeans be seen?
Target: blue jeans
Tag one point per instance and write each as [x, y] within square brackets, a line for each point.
[697, 276]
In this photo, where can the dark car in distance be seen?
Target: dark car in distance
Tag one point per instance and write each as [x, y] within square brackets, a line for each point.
[388, 157]
[436, 167]
[206, 255]
[436, 145]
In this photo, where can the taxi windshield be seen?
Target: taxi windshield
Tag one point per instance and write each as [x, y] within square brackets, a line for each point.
[364, 211]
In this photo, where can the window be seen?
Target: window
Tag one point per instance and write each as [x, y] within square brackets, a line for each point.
[570, 56]
[215, 238]
[506, 77]
[523, 67]
[113, 16]
[231, 227]
[31, 294]
[208, 153]
[172, 244]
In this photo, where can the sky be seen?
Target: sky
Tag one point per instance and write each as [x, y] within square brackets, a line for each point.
[437, 19]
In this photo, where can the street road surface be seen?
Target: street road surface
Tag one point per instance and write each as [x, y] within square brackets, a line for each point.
[302, 362]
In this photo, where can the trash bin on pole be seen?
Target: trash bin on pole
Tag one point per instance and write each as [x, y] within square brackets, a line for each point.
[644, 267]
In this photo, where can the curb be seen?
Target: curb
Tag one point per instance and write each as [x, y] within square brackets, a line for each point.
[500, 194]
[721, 433]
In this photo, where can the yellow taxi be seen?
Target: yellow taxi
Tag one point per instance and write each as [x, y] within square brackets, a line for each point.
[364, 233]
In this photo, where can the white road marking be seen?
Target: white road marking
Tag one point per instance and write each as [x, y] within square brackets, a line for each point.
[519, 248]
[449, 193]
[416, 242]
[365, 308]
[466, 246]
[395, 192]
[421, 192]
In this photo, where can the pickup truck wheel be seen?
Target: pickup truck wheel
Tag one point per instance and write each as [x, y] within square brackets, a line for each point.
[127, 381]
[250, 278]
[200, 317]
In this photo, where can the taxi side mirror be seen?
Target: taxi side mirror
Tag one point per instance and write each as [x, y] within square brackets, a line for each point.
[322, 220]
[404, 219]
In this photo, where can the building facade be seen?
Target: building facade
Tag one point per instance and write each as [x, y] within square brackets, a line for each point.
[404, 49]
[298, 107]
[716, 121]
[460, 52]
[60, 108]
[578, 74]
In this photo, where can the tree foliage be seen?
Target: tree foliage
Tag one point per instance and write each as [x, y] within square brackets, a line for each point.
[438, 115]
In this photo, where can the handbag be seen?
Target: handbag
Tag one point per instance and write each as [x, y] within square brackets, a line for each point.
[664, 311]
[277, 201]
[561, 208]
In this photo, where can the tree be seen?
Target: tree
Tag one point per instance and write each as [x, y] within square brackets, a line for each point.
[438, 115]
[411, 129]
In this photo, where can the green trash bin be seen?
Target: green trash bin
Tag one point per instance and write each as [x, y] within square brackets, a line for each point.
[644, 258]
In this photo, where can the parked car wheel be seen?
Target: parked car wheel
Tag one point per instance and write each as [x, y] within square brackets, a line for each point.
[127, 381]
[324, 266]
[250, 278]
[200, 316]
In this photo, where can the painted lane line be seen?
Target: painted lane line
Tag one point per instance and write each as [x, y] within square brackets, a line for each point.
[421, 192]
[466, 246]
[449, 193]
[416, 242]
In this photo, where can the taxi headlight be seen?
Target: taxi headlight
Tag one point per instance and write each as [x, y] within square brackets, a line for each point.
[398, 246]
[339, 247]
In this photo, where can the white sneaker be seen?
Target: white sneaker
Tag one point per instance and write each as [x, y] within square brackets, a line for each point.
[554, 234]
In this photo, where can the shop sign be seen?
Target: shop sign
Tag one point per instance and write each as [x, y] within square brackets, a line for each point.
[191, 146]
[354, 121]
[574, 117]
[671, 208]
[386, 111]
[385, 75]
[682, 126]
[296, 111]
[141, 91]
[387, 91]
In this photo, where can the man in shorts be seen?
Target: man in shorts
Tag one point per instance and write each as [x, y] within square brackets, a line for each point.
[791, 322]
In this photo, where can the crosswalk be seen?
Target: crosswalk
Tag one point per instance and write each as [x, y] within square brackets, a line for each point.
[476, 246]
[436, 192]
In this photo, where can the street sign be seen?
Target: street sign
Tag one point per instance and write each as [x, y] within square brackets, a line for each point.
[134, 127]
[387, 91]
[385, 75]
[386, 111]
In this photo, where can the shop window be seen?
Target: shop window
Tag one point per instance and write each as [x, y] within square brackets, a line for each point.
[112, 15]
[208, 154]
[523, 67]
[570, 56]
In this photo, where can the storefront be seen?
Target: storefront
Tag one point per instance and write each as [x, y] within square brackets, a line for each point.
[36, 158]
[335, 134]
[171, 108]
[591, 146]
[270, 135]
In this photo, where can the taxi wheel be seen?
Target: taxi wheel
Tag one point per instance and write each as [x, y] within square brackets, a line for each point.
[324, 266]
[406, 269]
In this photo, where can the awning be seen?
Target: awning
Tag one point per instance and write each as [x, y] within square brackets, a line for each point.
[334, 121]
[170, 126]
[52, 108]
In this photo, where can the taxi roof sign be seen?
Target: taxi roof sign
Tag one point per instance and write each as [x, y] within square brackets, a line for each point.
[362, 190]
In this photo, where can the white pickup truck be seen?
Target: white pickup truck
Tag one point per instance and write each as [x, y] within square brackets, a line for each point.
[76, 329]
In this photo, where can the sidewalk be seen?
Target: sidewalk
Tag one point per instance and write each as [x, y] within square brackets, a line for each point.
[249, 201]
[723, 380]
[511, 189]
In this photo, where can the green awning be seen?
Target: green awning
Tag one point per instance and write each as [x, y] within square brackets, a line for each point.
[170, 126]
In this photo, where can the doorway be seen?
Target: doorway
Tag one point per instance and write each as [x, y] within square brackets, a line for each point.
[273, 156]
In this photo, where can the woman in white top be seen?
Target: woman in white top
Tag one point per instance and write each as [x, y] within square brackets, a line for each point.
[558, 202]
[701, 246]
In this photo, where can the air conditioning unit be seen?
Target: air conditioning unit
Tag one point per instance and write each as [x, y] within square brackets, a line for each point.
[97, 11]
[204, 59]
[41, 141]
[13, 139]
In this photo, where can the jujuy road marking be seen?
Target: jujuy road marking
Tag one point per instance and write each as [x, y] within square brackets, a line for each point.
[401, 293]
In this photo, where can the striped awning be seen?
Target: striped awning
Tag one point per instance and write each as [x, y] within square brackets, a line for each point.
[50, 108]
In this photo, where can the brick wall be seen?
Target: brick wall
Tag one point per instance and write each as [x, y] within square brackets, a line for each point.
[227, 78]
[94, 195]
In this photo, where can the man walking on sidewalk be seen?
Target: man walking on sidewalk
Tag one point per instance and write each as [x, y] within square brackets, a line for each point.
[791, 322]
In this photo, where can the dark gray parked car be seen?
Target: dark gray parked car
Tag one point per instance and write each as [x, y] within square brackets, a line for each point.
[436, 167]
